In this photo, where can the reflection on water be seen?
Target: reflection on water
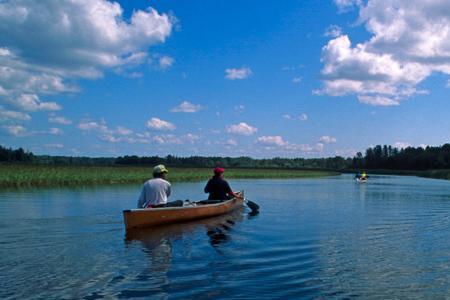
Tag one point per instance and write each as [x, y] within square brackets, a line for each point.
[314, 238]
[218, 229]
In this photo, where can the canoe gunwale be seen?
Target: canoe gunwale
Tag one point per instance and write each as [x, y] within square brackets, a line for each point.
[180, 207]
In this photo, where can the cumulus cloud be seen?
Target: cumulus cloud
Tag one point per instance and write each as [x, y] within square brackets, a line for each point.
[119, 135]
[70, 39]
[241, 129]
[165, 62]
[88, 125]
[327, 139]
[234, 74]
[55, 131]
[59, 120]
[345, 5]
[302, 117]
[402, 145]
[167, 139]
[31, 102]
[190, 138]
[176, 140]
[9, 115]
[409, 42]
[15, 130]
[158, 124]
[123, 130]
[187, 107]
[297, 80]
[333, 31]
[231, 142]
[276, 142]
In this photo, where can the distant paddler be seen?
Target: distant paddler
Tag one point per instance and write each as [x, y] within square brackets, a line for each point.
[156, 191]
[362, 177]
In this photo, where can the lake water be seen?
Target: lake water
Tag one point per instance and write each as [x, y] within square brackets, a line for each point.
[314, 238]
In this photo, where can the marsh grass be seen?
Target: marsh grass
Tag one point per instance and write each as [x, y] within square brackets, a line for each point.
[35, 175]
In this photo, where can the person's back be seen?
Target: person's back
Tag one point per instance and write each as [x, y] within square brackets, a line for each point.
[155, 191]
[217, 187]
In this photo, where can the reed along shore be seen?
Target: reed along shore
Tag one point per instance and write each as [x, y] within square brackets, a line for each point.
[17, 175]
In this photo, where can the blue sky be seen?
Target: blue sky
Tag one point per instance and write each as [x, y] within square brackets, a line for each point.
[253, 78]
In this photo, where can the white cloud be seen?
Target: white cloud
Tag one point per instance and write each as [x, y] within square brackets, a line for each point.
[297, 80]
[274, 140]
[190, 138]
[333, 31]
[88, 125]
[165, 62]
[231, 142]
[345, 5]
[402, 145]
[123, 130]
[167, 139]
[327, 139]
[7, 115]
[302, 117]
[319, 147]
[119, 135]
[70, 39]
[59, 120]
[31, 102]
[409, 42]
[242, 73]
[242, 129]
[55, 131]
[187, 107]
[158, 124]
[15, 130]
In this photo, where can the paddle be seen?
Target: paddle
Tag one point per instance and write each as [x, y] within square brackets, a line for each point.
[252, 205]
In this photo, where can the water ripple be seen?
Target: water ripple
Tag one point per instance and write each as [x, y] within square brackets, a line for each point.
[314, 239]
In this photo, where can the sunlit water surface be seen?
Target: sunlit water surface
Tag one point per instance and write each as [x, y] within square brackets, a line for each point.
[314, 238]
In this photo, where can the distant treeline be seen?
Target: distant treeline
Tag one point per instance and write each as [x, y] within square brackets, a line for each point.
[378, 157]
[410, 158]
[334, 163]
[18, 155]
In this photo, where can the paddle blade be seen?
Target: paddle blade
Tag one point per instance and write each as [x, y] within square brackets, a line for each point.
[252, 205]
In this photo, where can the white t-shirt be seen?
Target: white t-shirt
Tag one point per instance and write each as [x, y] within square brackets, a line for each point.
[154, 192]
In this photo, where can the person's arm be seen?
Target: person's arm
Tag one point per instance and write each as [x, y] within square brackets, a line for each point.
[169, 190]
[229, 190]
[207, 187]
[141, 200]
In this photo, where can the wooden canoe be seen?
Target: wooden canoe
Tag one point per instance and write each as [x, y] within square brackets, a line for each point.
[149, 217]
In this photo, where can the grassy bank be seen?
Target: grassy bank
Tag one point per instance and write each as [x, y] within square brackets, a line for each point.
[31, 175]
